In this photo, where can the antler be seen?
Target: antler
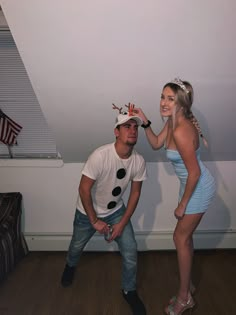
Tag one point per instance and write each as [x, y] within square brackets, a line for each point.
[118, 108]
[131, 109]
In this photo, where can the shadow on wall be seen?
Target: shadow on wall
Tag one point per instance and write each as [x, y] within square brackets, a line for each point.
[217, 219]
[220, 138]
[206, 153]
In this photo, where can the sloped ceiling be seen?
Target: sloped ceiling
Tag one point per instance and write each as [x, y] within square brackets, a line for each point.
[82, 56]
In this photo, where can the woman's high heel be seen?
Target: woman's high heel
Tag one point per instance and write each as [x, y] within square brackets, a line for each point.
[192, 291]
[182, 306]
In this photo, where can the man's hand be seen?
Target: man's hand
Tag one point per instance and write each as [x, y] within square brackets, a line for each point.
[117, 230]
[101, 227]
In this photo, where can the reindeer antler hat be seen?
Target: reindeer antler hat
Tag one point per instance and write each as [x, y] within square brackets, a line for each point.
[125, 116]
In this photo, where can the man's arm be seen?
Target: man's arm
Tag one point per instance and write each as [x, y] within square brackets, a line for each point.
[85, 188]
[134, 195]
[135, 192]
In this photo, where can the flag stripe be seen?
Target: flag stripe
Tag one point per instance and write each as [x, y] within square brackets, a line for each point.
[9, 130]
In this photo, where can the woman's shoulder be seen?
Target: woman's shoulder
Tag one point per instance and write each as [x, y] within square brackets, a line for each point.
[185, 131]
[184, 127]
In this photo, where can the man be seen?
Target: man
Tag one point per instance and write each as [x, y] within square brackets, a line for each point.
[100, 207]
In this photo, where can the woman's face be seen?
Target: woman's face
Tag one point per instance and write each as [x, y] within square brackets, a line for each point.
[167, 102]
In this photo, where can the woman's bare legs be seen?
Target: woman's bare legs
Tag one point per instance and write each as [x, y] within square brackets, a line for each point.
[183, 238]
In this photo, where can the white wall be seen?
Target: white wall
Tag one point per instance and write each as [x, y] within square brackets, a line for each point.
[50, 192]
[81, 56]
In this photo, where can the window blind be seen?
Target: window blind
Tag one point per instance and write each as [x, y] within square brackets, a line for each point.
[19, 102]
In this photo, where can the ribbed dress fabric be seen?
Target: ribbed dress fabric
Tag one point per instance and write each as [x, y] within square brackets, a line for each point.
[205, 189]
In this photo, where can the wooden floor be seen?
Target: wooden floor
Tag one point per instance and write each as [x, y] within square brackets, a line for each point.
[33, 288]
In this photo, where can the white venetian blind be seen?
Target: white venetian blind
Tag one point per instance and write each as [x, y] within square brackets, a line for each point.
[19, 102]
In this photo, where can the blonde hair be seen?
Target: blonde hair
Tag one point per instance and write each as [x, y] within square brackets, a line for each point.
[184, 98]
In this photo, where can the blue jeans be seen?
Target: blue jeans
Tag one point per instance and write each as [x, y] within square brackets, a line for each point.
[83, 231]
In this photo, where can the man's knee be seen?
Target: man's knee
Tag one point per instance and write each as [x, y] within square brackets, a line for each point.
[129, 249]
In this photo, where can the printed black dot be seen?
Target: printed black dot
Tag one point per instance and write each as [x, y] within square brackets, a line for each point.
[116, 191]
[111, 205]
[121, 173]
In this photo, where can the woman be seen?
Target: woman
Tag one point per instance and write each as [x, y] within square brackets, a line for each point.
[180, 137]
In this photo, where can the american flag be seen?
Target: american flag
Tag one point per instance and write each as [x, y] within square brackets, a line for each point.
[9, 129]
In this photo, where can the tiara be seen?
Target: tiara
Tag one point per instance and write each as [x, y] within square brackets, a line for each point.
[180, 83]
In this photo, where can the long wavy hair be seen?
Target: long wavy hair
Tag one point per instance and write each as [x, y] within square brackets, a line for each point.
[184, 100]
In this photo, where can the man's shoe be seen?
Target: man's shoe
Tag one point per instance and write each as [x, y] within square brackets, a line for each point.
[135, 302]
[67, 276]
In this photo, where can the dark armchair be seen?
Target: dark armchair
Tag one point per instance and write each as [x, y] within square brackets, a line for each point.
[13, 246]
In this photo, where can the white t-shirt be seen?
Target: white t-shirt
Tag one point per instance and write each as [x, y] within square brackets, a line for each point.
[112, 176]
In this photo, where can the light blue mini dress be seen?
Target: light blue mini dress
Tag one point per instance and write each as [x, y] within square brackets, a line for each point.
[205, 189]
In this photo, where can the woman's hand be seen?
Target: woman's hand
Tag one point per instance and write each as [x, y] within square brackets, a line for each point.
[179, 212]
[138, 112]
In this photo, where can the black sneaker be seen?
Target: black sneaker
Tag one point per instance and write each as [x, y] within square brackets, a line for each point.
[135, 302]
[67, 276]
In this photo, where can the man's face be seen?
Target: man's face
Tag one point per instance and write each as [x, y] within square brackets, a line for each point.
[127, 132]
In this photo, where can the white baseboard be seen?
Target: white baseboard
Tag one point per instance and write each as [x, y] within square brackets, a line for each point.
[146, 241]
